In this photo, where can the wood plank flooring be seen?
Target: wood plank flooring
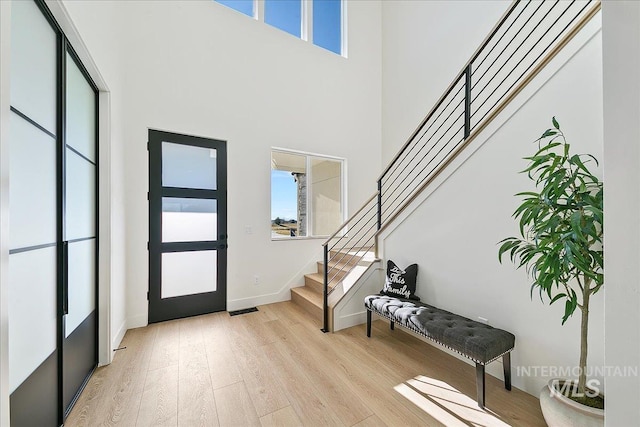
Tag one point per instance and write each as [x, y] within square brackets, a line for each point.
[275, 367]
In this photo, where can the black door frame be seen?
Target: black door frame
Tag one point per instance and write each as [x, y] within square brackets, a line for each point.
[161, 309]
[68, 393]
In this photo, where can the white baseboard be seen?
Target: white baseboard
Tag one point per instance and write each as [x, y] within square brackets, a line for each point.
[353, 319]
[138, 321]
[350, 310]
[283, 294]
[117, 339]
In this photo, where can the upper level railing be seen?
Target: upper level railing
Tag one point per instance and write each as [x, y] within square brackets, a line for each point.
[525, 39]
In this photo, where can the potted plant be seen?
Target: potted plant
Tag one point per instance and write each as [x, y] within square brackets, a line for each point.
[560, 246]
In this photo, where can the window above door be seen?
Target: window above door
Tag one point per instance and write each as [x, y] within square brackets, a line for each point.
[321, 22]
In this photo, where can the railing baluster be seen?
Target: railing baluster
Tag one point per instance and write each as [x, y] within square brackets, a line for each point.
[467, 102]
[379, 203]
[325, 296]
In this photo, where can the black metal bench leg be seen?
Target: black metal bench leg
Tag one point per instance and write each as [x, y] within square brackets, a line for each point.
[392, 325]
[368, 323]
[480, 384]
[506, 364]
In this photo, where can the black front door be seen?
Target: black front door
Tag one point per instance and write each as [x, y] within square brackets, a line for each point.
[187, 226]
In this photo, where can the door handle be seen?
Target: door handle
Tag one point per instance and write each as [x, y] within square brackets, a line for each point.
[65, 278]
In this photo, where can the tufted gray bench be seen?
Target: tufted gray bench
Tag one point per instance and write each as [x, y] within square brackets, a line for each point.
[477, 341]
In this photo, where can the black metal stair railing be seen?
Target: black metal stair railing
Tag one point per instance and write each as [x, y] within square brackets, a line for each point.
[344, 249]
[528, 35]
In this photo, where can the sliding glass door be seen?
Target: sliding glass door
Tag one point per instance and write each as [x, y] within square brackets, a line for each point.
[52, 231]
[33, 263]
[79, 353]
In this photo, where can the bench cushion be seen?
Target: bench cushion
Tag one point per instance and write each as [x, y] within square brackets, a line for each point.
[477, 341]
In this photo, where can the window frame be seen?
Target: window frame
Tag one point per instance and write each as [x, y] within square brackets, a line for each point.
[306, 22]
[308, 157]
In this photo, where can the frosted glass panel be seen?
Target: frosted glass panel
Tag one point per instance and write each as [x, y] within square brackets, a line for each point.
[187, 273]
[33, 64]
[82, 289]
[32, 185]
[80, 197]
[189, 220]
[187, 166]
[32, 310]
[81, 110]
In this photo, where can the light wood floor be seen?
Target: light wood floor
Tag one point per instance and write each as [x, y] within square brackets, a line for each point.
[275, 368]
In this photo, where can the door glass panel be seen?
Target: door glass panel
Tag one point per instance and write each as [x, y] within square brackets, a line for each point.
[187, 273]
[187, 166]
[32, 186]
[82, 290]
[189, 220]
[33, 64]
[78, 346]
[80, 197]
[81, 112]
[32, 310]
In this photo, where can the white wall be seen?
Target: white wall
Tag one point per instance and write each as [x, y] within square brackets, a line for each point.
[425, 44]
[200, 68]
[621, 42]
[5, 53]
[452, 232]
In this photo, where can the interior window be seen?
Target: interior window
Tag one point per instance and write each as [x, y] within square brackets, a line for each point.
[306, 195]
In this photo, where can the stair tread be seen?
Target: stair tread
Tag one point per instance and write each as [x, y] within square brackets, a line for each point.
[315, 276]
[319, 277]
[351, 256]
[335, 264]
[334, 267]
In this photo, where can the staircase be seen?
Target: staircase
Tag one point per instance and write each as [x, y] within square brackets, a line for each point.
[525, 39]
[341, 265]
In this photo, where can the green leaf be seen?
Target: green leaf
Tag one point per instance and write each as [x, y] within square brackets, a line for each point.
[555, 123]
[548, 132]
[575, 159]
[547, 147]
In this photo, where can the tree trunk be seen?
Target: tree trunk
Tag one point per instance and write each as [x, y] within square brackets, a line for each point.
[584, 325]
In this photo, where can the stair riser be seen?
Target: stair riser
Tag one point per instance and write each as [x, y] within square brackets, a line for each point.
[317, 286]
[343, 258]
[307, 305]
[314, 284]
[340, 274]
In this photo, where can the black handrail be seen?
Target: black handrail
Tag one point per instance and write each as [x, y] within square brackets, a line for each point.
[537, 36]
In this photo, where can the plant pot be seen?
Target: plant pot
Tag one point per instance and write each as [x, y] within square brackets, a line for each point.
[560, 411]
